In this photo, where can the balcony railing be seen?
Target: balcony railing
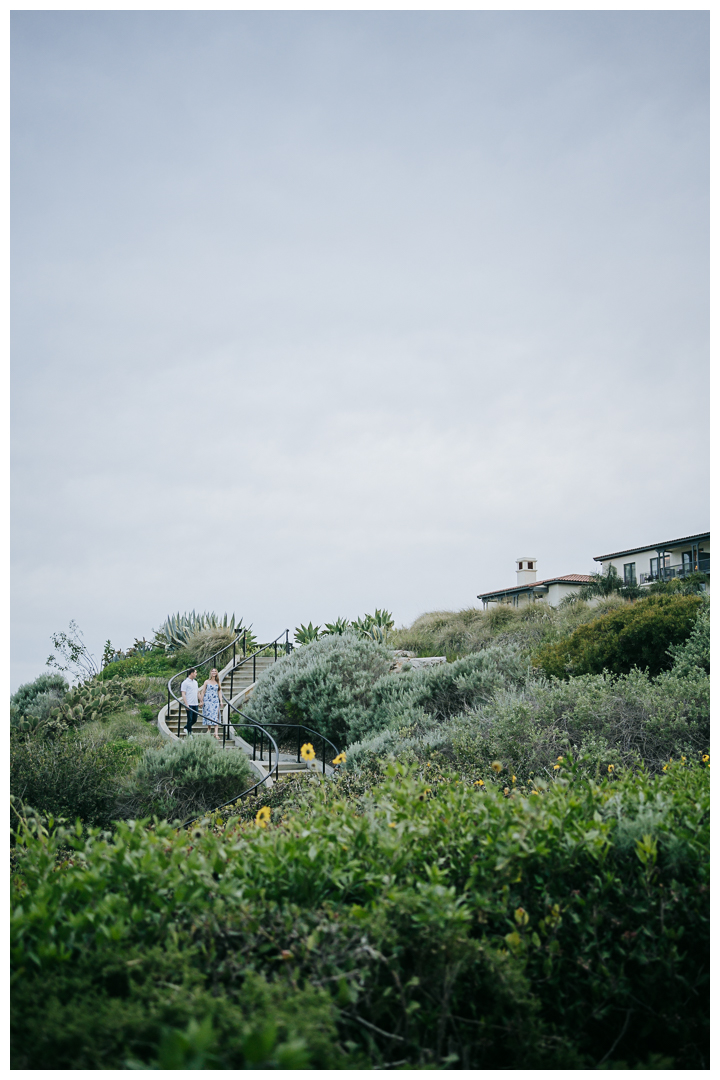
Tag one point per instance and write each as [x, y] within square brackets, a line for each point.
[681, 570]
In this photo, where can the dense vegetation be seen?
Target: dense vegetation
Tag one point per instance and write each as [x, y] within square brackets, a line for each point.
[511, 871]
[634, 636]
[453, 927]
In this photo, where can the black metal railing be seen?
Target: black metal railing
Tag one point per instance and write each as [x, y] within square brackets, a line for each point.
[300, 728]
[237, 720]
[680, 570]
[285, 646]
[259, 733]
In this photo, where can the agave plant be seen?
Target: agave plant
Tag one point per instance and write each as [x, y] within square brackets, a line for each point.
[177, 629]
[305, 634]
[375, 626]
[340, 626]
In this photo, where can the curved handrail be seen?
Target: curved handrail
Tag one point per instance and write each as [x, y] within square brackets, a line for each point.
[248, 721]
[304, 727]
[220, 652]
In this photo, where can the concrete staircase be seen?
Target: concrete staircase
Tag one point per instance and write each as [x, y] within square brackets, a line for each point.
[238, 680]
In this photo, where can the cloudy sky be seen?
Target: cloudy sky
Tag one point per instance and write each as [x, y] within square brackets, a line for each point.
[319, 312]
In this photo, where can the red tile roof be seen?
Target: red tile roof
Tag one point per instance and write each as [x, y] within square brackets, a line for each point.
[576, 579]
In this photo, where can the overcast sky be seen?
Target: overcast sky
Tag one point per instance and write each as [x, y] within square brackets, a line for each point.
[320, 312]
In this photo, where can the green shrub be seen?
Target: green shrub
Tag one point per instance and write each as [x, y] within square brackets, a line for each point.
[444, 690]
[694, 654]
[178, 780]
[75, 775]
[452, 928]
[636, 635]
[622, 721]
[26, 695]
[326, 685]
[155, 664]
[33, 704]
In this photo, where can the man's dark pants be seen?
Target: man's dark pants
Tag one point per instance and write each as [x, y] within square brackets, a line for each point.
[192, 715]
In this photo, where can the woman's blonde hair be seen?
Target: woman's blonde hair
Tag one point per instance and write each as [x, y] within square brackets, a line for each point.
[217, 676]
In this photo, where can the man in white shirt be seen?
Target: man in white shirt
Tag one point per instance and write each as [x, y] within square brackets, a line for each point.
[189, 691]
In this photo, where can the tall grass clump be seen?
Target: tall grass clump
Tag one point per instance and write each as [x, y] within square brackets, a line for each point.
[459, 633]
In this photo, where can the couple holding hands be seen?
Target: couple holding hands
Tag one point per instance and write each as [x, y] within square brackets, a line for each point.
[208, 697]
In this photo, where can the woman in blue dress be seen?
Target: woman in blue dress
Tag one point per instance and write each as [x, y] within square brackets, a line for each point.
[211, 702]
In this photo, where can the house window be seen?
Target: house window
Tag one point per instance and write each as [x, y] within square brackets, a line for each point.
[530, 566]
[629, 573]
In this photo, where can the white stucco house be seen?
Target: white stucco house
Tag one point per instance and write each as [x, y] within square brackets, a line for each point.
[529, 590]
[660, 562]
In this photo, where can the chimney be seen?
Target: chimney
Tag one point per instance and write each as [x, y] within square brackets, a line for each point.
[526, 571]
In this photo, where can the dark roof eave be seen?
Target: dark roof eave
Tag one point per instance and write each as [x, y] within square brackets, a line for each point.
[652, 547]
[529, 587]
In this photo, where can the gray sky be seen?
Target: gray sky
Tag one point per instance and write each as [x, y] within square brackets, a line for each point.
[319, 312]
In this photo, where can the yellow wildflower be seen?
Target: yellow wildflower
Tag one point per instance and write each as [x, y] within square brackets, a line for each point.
[513, 778]
[556, 766]
[393, 824]
[480, 783]
[340, 759]
[506, 791]
[561, 758]
[307, 751]
[496, 766]
[664, 768]
[611, 768]
[706, 757]
[263, 816]
[683, 759]
[534, 792]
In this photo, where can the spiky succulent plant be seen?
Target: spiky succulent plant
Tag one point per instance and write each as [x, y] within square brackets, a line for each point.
[178, 629]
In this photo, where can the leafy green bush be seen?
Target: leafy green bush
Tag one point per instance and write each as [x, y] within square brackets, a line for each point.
[75, 775]
[178, 780]
[154, 664]
[622, 721]
[636, 635]
[446, 928]
[326, 685]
